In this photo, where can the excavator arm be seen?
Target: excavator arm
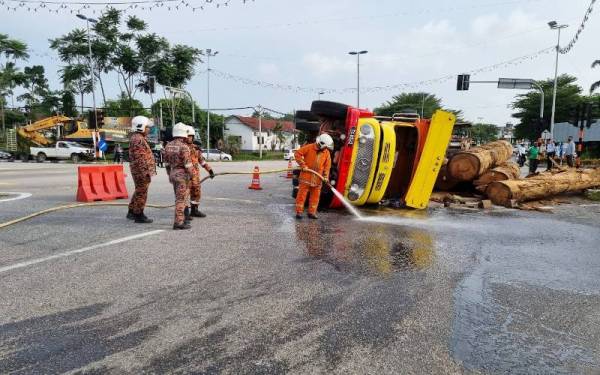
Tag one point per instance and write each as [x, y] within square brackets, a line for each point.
[32, 133]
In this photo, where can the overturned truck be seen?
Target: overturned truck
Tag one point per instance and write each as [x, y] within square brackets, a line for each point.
[379, 160]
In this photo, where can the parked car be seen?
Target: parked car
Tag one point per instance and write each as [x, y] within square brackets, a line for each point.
[62, 150]
[216, 155]
[6, 155]
[288, 154]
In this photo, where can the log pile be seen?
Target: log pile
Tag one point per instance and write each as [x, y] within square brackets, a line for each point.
[489, 171]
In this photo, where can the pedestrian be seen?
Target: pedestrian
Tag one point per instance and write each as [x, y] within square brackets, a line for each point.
[142, 166]
[118, 159]
[316, 157]
[570, 152]
[550, 153]
[178, 163]
[198, 161]
[521, 154]
[158, 154]
[533, 153]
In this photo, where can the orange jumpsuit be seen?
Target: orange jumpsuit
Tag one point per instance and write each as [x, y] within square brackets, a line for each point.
[310, 156]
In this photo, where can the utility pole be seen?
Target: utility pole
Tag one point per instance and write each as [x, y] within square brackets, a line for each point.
[555, 26]
[259, 108]
[208, 53]
[91, 62]
[357, 54]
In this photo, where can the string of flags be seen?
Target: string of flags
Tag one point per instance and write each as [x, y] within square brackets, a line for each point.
[97, 7]
[407, 85]
[586, 18]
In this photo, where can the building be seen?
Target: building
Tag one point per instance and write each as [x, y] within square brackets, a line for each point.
[507, 132]
[244, 131]
[564, 130]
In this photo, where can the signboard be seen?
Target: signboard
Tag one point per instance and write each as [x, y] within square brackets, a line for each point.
[515, 83]
[102, 145]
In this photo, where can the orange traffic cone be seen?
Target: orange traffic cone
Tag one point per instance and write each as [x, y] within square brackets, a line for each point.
[290, 171]
[255, 180]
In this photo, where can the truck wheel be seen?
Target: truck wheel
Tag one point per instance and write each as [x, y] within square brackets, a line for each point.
[306, 126]
[306, 115]
[329, 109]
[41, 157]
[75, 158]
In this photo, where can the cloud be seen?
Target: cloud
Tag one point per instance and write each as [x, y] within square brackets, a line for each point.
[269, 69]
[320, 64]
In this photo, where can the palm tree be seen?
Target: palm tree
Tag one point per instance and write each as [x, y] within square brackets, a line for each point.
[596, 84]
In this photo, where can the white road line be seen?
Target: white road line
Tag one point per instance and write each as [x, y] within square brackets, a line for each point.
[18, 196]
[79, 251]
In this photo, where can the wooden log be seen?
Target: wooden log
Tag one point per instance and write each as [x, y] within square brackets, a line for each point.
[507, 171]
[542, 186]
[444, 182]
[470, 164]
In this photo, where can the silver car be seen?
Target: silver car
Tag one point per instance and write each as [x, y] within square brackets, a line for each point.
[216, 155]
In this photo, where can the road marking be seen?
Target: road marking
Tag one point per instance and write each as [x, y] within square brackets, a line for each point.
[79, 251]
[18, 196]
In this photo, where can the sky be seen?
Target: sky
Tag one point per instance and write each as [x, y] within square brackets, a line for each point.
[305, 43]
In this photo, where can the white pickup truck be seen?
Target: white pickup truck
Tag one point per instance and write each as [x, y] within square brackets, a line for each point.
[62, 150]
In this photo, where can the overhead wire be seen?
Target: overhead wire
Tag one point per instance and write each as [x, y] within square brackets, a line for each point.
[580, 30]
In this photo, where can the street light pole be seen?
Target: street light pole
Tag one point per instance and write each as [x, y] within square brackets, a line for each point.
[208, 53]
[555, 26]
[357, 54]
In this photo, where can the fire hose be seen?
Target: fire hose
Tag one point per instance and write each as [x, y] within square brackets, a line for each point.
[109, 204]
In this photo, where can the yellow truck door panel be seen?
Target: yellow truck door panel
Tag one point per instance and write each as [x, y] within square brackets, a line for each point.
[364, 161]
[432, 158]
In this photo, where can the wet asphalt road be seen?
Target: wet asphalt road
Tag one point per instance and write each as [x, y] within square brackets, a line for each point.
[250, 290]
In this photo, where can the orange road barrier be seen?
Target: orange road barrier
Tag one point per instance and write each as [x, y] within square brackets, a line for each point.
[101, 183]
[255, 185]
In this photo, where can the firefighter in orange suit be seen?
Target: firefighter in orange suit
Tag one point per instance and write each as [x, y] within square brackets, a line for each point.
[314, 156]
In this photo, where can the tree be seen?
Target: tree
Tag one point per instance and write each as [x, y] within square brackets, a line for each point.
[484, 133]
[527, 106]
[35, 82]
[411, 102]
[596, 84]
[124, 107]
[68, 104]
[11, 50]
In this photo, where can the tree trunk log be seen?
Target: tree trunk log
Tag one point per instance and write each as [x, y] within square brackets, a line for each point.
[506, 171]
[444, 182]
[468, 165]
[542, 186]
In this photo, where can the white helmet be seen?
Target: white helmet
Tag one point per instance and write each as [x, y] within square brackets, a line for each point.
[325, 141]
[191, 131]
[140, 123]
[180, 130]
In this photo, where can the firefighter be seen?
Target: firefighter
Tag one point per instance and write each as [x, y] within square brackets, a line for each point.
[198, 161]
[178, 163]
[316, 157]
[142, 166]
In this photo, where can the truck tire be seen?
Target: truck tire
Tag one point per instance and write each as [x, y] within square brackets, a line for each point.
[75, 158]
[329, 109]
[308, 127]
[306, 115]
[41, 157]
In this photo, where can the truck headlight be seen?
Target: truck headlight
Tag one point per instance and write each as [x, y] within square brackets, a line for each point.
[355, 192]
[365, 130]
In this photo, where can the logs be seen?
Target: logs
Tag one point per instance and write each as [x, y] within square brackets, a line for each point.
[542, 186]
[470, 164]
[506, 171]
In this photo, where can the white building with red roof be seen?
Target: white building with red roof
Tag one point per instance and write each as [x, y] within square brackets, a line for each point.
[276, 134]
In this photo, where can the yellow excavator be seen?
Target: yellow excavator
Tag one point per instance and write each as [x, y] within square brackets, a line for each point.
[68, 129]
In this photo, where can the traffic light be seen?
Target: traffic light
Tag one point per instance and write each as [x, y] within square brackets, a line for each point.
[576, 114]
[463, 82]
[91, 120]
[588, 115]
[100, 119]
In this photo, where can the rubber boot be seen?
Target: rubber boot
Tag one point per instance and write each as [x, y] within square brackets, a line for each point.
[188, 218]
[130, 215]
[183, 226]
[142, 219]
[313, 216]
[196, 212]
[298, 216]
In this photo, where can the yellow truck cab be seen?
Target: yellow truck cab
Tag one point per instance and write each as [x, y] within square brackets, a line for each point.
[394, 158]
